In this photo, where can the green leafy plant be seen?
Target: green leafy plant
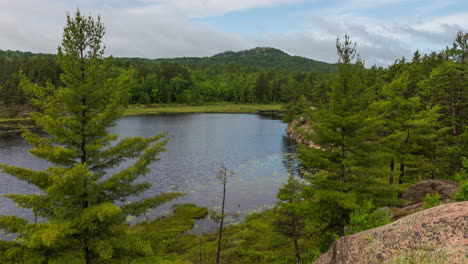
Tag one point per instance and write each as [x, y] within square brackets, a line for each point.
[81, 200]
[367, 217]
[431, 200]
[462, 194]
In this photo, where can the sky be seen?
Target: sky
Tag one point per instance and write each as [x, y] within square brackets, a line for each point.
[384, 30]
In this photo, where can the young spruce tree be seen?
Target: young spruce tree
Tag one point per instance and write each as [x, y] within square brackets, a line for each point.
[82, 202]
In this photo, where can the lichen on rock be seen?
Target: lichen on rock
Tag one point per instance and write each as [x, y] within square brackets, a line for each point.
[436, 235]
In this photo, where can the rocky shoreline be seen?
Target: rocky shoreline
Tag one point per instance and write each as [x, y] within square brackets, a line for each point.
[297, 131]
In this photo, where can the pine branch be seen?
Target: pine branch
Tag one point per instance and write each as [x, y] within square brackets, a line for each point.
[138, 208]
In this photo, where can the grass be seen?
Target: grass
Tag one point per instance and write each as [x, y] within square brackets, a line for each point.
[207, 108]
[164, 233]
[253, 241]
[178, 108]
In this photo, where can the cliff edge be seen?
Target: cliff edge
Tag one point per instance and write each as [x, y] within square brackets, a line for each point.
[435, 235]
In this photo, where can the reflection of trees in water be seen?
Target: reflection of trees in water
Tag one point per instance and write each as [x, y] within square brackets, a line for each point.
[290, 158]
[291, 161]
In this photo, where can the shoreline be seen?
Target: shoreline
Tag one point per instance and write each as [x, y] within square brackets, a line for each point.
[208, 108]
[9, 126]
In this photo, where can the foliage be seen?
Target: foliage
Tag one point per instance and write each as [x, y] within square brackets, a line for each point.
[462, 194]
[260, 57]
[206, 108]
[165, 233]
[343, 167]
[431, 200]
[375, 131]
[175, 80]
[81, 201]
[367, 217]
[253, 241]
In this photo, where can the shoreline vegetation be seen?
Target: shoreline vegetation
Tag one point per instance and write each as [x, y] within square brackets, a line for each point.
[151, 109]
[206, 108]
[9, 126]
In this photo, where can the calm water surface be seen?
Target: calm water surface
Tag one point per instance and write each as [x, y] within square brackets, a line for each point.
[253, 146]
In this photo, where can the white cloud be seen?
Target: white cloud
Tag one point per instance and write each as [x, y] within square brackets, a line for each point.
[165, 28]
[165, 38]
[203, 8]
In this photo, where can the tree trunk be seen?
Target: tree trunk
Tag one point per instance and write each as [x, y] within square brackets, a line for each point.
[218, 253]
[296, 244]
[342, 175]
[392, 170]
[400, 178]
[88, 257]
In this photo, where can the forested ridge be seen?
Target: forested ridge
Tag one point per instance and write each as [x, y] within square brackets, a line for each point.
[374, 132]
[261, 57]
[261, 75]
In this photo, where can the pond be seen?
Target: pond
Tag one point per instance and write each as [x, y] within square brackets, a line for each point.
[254, 147]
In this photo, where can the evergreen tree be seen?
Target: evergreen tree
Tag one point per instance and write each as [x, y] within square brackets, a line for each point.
[447, 88]
[335, 133]
[342, 165]
[261, 88]
[288, 218]
[82, 202]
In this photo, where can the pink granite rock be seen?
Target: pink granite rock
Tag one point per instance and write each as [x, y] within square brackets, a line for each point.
[436, 235]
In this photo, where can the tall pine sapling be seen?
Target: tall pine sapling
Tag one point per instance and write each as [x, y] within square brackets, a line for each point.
[83, 203]
[288, 220]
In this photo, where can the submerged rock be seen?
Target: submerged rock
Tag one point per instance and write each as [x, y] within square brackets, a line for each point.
[436, 235]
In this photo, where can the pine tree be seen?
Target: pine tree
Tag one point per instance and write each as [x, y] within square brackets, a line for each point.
[261, 88]
[288, 218]
[405, 131]
[335, 133]
[85, 206]
[447, 88]
[343, 164]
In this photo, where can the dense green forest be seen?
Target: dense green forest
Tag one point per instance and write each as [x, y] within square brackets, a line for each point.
[261, 75]
[374, 130]
[260, 57]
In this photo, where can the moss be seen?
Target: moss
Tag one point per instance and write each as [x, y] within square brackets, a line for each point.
[190, 211]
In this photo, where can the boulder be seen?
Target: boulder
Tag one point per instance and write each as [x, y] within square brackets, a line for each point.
[417, 192]
[436, 235]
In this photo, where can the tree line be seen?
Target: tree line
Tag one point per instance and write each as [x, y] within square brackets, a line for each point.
[163, 81]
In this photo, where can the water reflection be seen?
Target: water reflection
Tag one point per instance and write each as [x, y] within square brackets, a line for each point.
[255, 147]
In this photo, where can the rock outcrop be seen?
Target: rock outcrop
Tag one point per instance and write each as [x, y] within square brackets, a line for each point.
[436, 235]
[296, 131]
[417, 192]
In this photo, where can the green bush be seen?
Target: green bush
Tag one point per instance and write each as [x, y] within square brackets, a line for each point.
[367, 217]
[431, 200]
[462, 194]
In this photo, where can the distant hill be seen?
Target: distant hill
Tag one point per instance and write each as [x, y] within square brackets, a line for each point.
[260, 57]
[23, 54]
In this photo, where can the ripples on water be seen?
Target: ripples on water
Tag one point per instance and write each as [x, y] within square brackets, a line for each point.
[253, 146]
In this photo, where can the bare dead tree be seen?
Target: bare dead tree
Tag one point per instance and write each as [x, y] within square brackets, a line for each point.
[222, 176]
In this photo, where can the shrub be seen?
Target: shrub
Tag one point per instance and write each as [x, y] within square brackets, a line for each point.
[431, 200]
[367, 217]
[462, 194]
